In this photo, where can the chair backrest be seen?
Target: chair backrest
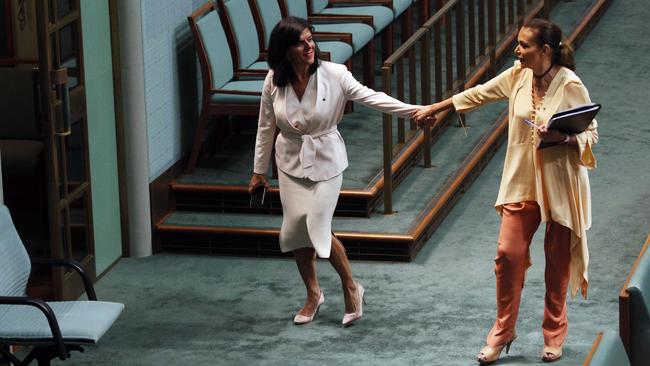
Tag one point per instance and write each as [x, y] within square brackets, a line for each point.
[270, 15]
[607, 350]
[297, 8]
[634, 308]
[18, 105]
[14, 261]
[211, 41]
[240, 20]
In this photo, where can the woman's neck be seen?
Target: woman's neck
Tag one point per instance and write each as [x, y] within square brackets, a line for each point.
[302, 73]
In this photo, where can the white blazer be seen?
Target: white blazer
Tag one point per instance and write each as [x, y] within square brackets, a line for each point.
[318, 153]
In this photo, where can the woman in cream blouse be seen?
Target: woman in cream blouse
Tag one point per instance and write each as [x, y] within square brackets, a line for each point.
[549, 185]
[305, 99]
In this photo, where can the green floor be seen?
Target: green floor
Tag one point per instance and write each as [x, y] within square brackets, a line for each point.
[196, 310]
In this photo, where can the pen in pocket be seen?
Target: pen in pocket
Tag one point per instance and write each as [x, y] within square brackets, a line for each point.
[531, 124]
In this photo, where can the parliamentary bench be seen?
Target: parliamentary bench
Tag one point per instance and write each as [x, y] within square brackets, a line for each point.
[634, 309]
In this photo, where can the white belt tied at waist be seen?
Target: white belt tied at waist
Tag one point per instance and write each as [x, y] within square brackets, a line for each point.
[308, 148]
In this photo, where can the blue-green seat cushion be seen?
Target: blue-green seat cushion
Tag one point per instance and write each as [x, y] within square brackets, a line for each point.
[381, 15]
[241, 85]
[639, 290]
[610, 351]
[399, 6]
[216, 47]
[259, 65]
[361, 33]
[81, 321]
[245, 32]
[339, 52]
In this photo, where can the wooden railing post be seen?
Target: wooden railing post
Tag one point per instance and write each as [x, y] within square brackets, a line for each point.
[426, 95]
[388, 146]
[492, 36]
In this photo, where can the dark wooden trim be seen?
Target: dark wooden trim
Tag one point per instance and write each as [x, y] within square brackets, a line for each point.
[9, 33]
[161, 199]
[594, 347]
[259, 25]
[120, 138]
[230, 34]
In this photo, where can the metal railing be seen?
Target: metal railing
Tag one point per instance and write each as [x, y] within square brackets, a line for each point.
[465, 36]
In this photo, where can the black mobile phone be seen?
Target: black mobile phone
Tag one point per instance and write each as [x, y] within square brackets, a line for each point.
[257, 196]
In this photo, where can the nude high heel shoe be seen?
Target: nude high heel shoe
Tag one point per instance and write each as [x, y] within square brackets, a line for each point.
[350, 318]
[551, 354]
[304, 319]
[491, 354]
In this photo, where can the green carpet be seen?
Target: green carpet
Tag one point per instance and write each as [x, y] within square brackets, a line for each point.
[191, 310]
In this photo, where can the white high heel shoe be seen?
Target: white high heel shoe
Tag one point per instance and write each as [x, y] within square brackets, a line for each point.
[304, 319]
[350, 318]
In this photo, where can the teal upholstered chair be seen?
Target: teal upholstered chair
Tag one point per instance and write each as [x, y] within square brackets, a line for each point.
[359, 27]
[634, 310]
[226, 91]
[242, 36]
[379, 10]
[607, 350]
[53, 329]
[335, 48]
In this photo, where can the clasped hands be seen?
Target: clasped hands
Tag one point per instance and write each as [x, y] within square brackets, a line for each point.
[425, 115]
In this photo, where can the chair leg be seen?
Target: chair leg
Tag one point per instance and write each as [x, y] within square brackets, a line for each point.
[369, 64]
[387, 42]
[7, 356]
[199, 135]
[407, 25]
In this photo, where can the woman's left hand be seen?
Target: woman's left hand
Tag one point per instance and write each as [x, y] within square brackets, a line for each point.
[551, 136]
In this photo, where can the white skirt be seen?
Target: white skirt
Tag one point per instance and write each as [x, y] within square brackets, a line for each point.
[307, 210]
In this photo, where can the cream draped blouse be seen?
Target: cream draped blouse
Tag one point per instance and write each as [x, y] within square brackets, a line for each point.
[555, 177]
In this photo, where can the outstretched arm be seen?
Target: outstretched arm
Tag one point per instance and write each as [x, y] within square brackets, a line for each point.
[380, 101]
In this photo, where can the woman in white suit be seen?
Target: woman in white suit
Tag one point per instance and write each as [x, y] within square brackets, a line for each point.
[305, 98]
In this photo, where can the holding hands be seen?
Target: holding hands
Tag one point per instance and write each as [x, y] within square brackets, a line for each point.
[425, 115]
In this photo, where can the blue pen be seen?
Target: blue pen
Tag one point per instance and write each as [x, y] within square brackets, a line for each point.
[531, 123]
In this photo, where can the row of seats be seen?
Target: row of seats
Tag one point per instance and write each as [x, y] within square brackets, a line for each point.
[629, 346]
[231, 38]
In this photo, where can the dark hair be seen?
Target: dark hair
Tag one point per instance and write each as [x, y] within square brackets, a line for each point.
[284, 35]
[550, 34]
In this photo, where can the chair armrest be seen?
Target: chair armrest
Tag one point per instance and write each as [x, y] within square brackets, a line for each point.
[235, 92]
[343, 37]
[330, 18]
[388, 3]
[49, 315]
[250, 73]
[325, 56]
[88, 284]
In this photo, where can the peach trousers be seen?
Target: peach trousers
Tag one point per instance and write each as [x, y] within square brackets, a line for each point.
[519, 222]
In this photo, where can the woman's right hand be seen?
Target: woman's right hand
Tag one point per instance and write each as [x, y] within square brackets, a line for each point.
[256, 181]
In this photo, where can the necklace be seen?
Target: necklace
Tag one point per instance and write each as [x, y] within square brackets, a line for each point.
[544, 73]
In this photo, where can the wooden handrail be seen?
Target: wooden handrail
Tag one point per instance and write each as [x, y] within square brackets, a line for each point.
[458, 41]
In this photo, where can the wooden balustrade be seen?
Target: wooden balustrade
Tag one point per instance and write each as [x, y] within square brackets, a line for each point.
[464, 35]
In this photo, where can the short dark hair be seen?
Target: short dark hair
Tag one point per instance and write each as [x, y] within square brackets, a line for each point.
[284, 35]
[549, 33]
